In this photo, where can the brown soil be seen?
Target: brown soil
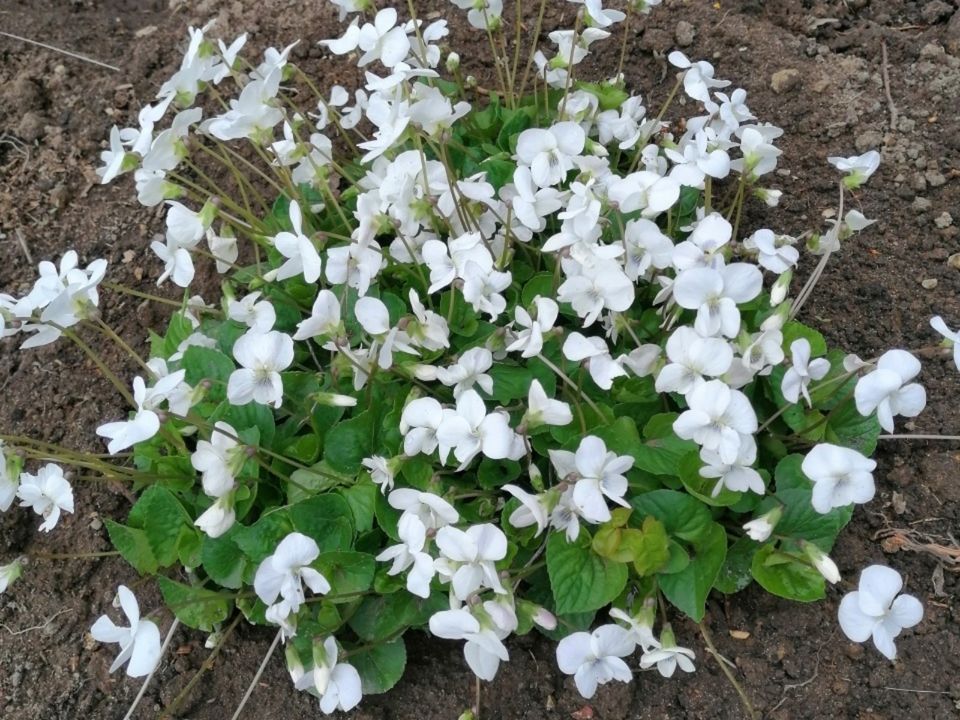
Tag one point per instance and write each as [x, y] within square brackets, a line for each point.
[55, 113]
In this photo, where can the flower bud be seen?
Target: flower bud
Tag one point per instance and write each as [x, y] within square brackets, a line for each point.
[780, 288]
[9, 573]
[453, 62]
[334, 400]
[760, 528]
[769, 196]
[822, 562]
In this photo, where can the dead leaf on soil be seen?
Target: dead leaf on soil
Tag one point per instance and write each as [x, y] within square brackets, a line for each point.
[739, 634]
[897, 539]
[584, 713]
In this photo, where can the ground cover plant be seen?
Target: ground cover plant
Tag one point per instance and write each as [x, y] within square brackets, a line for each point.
[501, 309]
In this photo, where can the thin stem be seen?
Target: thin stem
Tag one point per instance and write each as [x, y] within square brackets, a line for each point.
[107, 372]
[110, 333]
[207, 664]
[920, 436]
[256, 678]
[818, 271]
[726, 671]
[563, 376]
[533, 46]
[143, 688]
[73, 556]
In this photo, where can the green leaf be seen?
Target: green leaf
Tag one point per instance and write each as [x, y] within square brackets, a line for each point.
[319, 477]
[794, 330]
[350, 441]
[735, 574]
[347, 572]
[494, 473]
[195, 607]
[662, 451]
[381, 616]
[689, 588]
[380, 667]
[161, 517]
[223, 560]
[325, 518]
[132, 544]
[786, 576]
[652, 548]
[253, 415]
[683, 516]
[208, 364]
[260, 539]
[847, 427]
[580, 579]
[512, 382]
[540, 284]
[362, 499]
[799, 519]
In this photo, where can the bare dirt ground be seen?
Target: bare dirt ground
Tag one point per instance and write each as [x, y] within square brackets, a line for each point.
[55, 113]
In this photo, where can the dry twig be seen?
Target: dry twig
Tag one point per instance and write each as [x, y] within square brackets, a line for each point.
[885, 70]
[68, 53]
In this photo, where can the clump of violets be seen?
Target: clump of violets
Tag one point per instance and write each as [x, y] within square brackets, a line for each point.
[486, 360]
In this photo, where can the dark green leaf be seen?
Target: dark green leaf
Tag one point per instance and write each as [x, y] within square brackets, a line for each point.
[580, 579]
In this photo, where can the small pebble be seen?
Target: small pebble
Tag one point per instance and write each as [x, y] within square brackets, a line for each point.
[943, 220]
[785, 80]
[684, 34]
[928, 283]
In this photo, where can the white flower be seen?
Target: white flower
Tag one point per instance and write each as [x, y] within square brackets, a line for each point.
[381, 472]
[737, 476]
[470, 369]
[529, 341]
[952, 337]
[542, 410]
[533, 509]
[549, 152]
[797, 378]
[691, 357]
[468, 558]
[302, 256]
[715, 294]
[337, 684]
[256, 314]
[698, 78]
[601, 365]
[432, 510]
[640, 626]
[718, 418]
[219, 517]
[647, 248]
[840, 476]
[284, 573]
[859, 168]
[598, 475]
[885, 390]
[139, 643]
[409, 554]
[668, 656]
[115, 160]
[646, 191]
[219, 460]
[324, 318]
[776, 253]
[875, 610]
[419, 423]
[596, 658]
[483, 651]
[223, 247]
[595, 287]
[262, 357]
[531, 204]
[471, 431]
[145, 423]
[48, 493]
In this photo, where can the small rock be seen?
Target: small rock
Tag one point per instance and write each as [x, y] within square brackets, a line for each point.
[684, 34]
[785, 80]
[954, 261]
[929, 283]
[935, 178]
[30, 127]
[918, 182]
[935, 11]
[23, 94]
[921, 205]
[952, 41]
[868, 140]
[943, 220]
[656, 40]
[854, 651]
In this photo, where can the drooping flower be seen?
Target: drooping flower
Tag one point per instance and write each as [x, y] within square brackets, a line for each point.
[302, 256]
[668, 656]
[484, 649]
[9, 478]
[596, 658]
[543, 410]
[139, 643]
[219, 459]
[797, 378]
[859, 168]
[48, 493]
[875, 610]
[146, 422]
[840, 476]
[337, 684]
[952, 338]
[761, 528]
[888, 390]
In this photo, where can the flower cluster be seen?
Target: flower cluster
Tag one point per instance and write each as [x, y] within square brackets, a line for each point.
[484, 361]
